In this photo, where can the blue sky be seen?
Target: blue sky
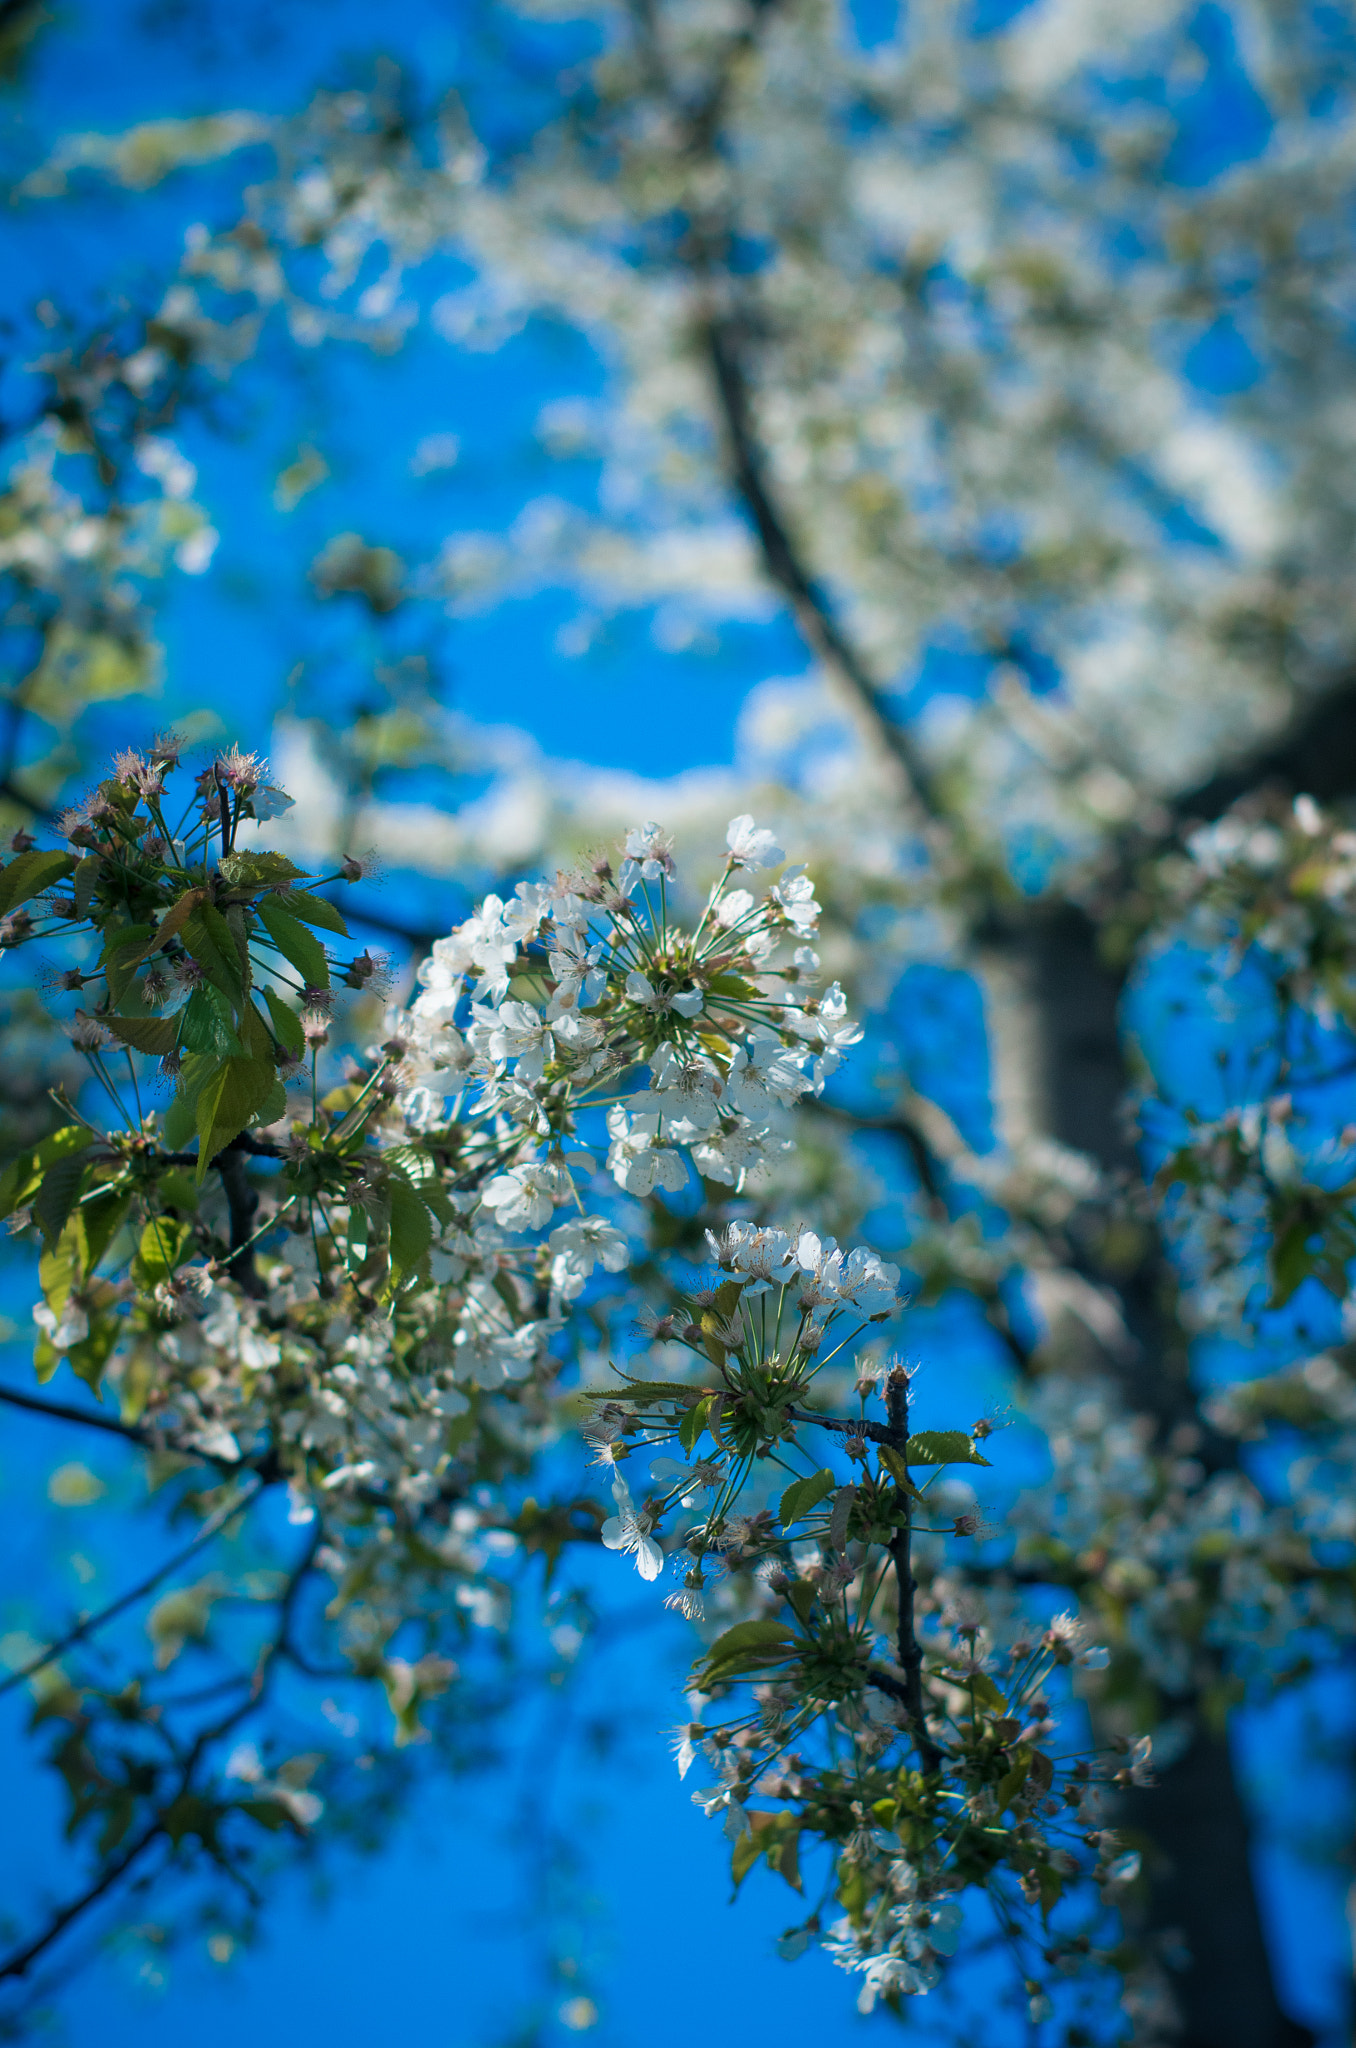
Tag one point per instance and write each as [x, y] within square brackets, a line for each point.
[434, 1937]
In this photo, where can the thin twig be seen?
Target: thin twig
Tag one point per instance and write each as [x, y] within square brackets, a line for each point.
[215, 1521]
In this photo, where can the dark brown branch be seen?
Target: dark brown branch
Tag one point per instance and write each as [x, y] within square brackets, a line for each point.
[93, 1622]
[811, 605]
[876, 1431]
[61, 1411]
[908, 1649]
[242, 1201]
[18, 1964]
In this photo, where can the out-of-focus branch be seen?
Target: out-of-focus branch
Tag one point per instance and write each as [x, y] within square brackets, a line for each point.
[810, 604]
[22, 1960]
[93, 1622]
[242, 1201]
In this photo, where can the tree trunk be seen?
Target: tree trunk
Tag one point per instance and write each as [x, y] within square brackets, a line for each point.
[1201, 1883]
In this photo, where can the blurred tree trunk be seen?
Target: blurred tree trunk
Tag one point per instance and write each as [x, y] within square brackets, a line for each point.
[1201, 1880]
[1054, 1021]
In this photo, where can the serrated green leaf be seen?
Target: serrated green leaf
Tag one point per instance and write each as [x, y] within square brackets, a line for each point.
[60, 1190]
[227, 1101]
[124, 952]
[643, 1390]
[181, 1116]
[208, 937]
[207, 1024]
[748, 1646]
[22, 1177]
[296, 944]
[157, 1035]
[98, 1222]
[300, 903]
[411, 1231]
[173, 920]
[801, 1595]
[942, 1447]
[804, 1494]
[693, 1423]
[898, 1471]
[259, 870]
[165, 1243]
[28, 874]
[86, 875]
[286, 1023]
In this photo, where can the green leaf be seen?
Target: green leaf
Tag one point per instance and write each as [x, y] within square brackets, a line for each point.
[775, 1836]
[1291, 1261]
[260, 870]
[312, 910]
[228, 1100]
[294, 942]
[693, 1423]
[804, 1494]
[411, 1231]
[207, 1024]
[209, 939]
[286, 1023]
[269, 1813]
[98, 1222]
[898, 1471]
[748, 1646]
[28, 874]
[981, 1688]
[644, 1390]
[801, 1595]
[144, 1034]
[22, 1177]
[123, 954]
[86, 875]
[1010, 1785]
[942, 1447]
[88, 1358]
[165, 1243]
[181, 1116]
[59, 1268]
[274, 1104]
[177, 1190]
[173, 920]
[58, 1195]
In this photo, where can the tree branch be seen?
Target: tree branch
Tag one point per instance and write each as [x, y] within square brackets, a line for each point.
[18, 1964]
[810, 605]
[908, 1648]
[61, 1411]
[215, 1521]
[242, 1202]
